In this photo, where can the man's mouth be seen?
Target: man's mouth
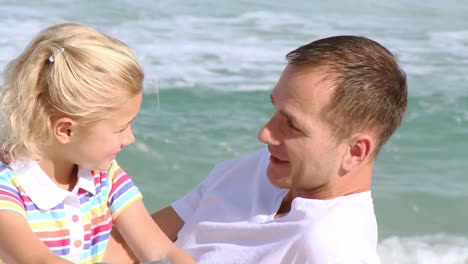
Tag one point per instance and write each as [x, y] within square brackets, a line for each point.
[276, 160]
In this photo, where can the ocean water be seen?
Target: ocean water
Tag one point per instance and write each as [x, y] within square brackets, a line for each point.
[210, 66]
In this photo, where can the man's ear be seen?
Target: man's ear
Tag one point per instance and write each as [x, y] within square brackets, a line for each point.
[63, 128]
[360, 147]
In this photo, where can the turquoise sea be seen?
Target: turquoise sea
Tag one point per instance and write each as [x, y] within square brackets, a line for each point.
[210, 66]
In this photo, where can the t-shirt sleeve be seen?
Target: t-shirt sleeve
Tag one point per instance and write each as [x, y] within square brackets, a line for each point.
[186, 205]
[10, 198]
[123, 191]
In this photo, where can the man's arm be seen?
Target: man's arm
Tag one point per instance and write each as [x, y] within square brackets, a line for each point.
[145, 238]
[169, 222]
[119, 252]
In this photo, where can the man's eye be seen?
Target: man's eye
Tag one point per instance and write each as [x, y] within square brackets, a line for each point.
[292, 126]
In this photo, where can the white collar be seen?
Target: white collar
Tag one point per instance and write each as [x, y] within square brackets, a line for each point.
[44, 193]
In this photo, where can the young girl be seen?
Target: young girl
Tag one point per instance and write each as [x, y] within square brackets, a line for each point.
[67, 107]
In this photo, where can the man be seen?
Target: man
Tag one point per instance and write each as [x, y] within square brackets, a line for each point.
[306, 197]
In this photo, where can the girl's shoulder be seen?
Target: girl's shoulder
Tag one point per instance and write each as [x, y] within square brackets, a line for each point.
[7, 174]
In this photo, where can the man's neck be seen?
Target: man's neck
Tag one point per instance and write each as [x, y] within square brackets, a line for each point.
[350, 183]
[285, 206]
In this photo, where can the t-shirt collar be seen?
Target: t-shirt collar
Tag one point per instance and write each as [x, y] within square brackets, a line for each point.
[44, 193]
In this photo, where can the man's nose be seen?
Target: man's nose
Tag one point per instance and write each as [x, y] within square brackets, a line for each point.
[268, 133]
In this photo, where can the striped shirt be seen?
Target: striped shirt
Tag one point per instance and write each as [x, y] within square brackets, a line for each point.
[75, 225]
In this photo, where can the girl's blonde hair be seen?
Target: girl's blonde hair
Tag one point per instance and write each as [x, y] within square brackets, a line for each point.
[93, 76]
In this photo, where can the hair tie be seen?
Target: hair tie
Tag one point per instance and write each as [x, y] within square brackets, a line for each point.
[58, 52]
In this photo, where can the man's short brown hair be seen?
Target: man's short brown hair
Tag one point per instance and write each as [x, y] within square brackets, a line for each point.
[369, 88]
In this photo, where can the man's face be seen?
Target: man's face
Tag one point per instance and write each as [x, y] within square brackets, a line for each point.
[304, 156]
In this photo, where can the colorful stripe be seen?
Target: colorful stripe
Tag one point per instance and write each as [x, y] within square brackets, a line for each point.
[115, 191]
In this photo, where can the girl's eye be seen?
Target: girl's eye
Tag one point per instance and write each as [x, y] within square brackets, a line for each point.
[122, 130]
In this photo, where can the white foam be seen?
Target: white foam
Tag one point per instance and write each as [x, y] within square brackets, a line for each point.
[244, 49]
[429, 249]
[11, 41]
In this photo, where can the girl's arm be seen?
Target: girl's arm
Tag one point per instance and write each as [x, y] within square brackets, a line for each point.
[19, 244]
[145, 238]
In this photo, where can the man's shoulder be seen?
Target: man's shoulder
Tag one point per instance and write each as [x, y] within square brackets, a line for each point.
[236, 171]
[250, 163]
[346, 214]
[344, 227]
[335, 244]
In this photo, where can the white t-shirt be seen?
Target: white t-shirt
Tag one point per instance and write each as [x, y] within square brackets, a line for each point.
[229, 219]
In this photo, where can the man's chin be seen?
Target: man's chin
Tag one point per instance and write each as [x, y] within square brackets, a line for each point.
[277, 178]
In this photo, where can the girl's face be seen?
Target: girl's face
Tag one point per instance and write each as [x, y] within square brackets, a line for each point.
[94, 147]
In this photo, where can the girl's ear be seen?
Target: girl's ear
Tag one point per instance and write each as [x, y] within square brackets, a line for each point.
[359, 150]
[63, 129]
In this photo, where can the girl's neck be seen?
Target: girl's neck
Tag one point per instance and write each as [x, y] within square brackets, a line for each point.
[62, 173]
